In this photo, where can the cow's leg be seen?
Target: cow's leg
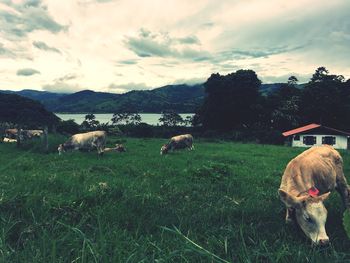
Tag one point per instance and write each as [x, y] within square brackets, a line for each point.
[289, 213]
[343, 187]
[100, 150]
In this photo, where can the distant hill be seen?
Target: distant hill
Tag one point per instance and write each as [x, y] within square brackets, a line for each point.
[24, 111]
[180, 98]
[35, 94]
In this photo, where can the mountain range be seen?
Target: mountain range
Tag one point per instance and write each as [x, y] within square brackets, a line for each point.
[180, 98]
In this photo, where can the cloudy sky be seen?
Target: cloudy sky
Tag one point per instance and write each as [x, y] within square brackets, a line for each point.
[119, 45]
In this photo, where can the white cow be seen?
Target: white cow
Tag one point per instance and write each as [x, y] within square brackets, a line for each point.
[85, 141]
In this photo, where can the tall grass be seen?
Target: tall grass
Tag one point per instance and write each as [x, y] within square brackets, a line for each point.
[217, 203]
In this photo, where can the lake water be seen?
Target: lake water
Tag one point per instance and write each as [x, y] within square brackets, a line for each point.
[149, 118]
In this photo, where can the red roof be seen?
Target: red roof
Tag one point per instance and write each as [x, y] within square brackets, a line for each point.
[301, 129]
[310, 127]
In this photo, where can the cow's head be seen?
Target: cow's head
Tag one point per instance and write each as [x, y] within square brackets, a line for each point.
[120, 148]
[310, 214]
[164, 149]
[60, 149]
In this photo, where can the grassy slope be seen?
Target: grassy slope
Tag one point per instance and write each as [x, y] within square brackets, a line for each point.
[223, 196]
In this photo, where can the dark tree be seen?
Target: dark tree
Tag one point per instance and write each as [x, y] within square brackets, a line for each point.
[90, 122]
[284, 106]
[170, 119]
[69, 126]
[292, 80]
[134, 118]
[127, 118]
[325, 100]
[232, 101]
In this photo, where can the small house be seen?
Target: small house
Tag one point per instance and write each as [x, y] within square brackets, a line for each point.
[316, 134]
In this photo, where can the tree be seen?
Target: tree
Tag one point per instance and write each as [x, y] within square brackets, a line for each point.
[170, 119]
[292, 81]
[127, 118]
[284, 106]
[90, 122]
[232, 101]
[134, 118]
[325, 100]
[119, 118]
[188, 121]
[69, 126]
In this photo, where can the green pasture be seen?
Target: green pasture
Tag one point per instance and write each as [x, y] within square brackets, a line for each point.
[218, 203]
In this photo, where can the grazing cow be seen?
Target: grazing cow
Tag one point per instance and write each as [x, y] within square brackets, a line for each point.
[24, 134]
[29, 134]
[83, 141]
[307, 181]
[117, 148]
[11, 133]
[178, 142]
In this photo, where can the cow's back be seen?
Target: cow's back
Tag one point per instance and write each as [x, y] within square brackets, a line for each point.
[184, 137]
[84, 139]
[316, 166]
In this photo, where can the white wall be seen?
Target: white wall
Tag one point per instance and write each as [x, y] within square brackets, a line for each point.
[340, 141]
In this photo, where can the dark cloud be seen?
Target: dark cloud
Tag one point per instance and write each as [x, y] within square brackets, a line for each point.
[121, 88]
[5, 52]
[207, 25]
[27, 72]
[67, 77]
[319, 37]
[43, 46]
[303, 78]
[189, 40]
[149, 44]
[127, 62]
[191, 81]
[29, 16]
[241, 54]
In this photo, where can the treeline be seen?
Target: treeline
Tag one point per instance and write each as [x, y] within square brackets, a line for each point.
[235, 108]
[233, 104]
[130, 124]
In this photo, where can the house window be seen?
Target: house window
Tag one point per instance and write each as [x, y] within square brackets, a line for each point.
[296, 137]
[330, 140]
[309, 140]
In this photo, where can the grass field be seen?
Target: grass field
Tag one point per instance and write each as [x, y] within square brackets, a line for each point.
[218, 203]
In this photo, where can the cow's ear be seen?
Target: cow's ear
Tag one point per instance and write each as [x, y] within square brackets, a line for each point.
[289, 200]
[324, 196]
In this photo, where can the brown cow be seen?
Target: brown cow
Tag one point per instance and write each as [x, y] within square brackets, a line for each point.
[178, 142]
[307, 181]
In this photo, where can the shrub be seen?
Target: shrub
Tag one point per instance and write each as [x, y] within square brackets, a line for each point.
[68, 127]
[346, 222]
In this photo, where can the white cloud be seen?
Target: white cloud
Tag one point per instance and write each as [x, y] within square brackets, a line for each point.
[144, 44]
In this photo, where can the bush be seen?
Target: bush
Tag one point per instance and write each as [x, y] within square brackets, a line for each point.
[346, 222]
[68, 127]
